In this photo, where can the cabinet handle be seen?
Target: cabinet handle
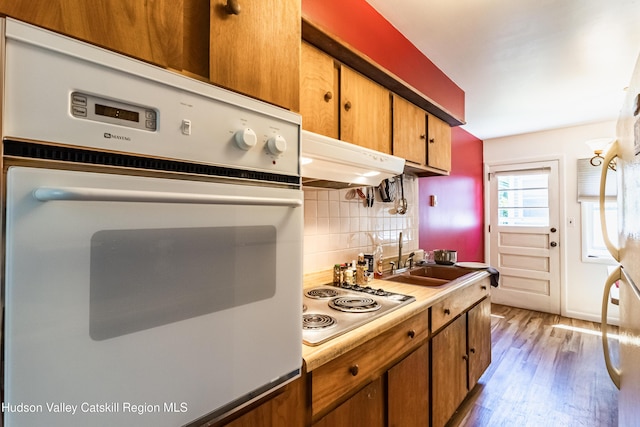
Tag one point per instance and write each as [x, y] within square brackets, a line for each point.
[447, 311]
[232, 7]
[347, 105]
[484, 288]
[465, 357]
[423, 136]
[328, 96]
[432, 140]
[354, 370]
[472, 350]
[411, 333]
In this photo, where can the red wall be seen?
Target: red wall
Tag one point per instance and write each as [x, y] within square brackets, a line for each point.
[359, 25]
[457, 220]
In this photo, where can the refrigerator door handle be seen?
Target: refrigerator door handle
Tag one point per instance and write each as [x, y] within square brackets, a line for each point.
[612, 153]
[614, 373]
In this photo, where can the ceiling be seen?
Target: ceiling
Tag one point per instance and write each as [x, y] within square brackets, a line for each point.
[526, 65]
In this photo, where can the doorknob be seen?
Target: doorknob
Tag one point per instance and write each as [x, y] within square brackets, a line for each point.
[553, 244]
[553, 229]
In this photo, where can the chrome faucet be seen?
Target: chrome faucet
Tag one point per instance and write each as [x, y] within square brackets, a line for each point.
[399, 264]
[410, 260]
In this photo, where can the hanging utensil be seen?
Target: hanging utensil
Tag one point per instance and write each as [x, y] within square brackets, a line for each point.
[364, 198]
[385, 191]
[402, 205]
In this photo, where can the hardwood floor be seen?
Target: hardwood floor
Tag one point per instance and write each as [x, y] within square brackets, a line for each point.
[546, 370]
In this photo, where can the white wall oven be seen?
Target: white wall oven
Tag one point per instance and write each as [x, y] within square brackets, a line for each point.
[152, 241]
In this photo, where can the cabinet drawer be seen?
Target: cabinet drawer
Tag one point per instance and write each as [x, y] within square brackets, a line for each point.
[458, 302]
[337, 380]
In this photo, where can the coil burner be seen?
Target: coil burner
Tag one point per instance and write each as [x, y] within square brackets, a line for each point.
[315, 321]
[322, 293]
[354, 304]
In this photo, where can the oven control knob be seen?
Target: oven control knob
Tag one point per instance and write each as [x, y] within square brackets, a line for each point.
[277, 145]
[246, 139]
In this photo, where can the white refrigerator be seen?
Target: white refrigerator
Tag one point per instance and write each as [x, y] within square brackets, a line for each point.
[625, 248]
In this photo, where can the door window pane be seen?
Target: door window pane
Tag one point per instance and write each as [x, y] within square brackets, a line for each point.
[523, 199]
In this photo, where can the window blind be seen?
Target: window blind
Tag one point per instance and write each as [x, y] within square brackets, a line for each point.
[589, 182]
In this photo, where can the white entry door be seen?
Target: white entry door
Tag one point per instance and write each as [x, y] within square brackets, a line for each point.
[524, 234]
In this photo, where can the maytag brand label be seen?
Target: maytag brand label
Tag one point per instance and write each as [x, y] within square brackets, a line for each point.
[108, 135]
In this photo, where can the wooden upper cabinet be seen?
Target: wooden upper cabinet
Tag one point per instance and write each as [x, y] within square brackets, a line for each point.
[365, 112]
[422, 139]
[151, 30]
[319, 99]
[439, 144]
[257, 50]
[409, 131]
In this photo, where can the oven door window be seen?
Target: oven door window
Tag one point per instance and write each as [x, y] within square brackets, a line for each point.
[143, 278]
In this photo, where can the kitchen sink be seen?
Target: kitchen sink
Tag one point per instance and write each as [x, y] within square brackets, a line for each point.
[417, 280]
[432, 275]
[440, 272]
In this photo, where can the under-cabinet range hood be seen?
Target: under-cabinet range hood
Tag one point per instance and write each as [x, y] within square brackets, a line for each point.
[331, 163]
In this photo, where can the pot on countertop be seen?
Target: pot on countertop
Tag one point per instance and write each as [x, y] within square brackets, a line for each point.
[445, 256]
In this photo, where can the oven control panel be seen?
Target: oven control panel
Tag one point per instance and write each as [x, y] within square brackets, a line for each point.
[79, 95]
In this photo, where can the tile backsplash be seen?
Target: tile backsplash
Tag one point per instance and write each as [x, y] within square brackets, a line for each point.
[338, 225]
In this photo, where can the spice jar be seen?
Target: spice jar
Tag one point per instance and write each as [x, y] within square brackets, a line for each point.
[361, 268]
[337, 275]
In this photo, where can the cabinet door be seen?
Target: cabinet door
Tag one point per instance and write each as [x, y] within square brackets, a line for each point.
[408, 390]
[366, 408]
[150, 30]
[286, 408]
[448, 370]
[439, 146]
[409, 131]
[257, 50]
[479, 338]
[365, 112]
[318, 92]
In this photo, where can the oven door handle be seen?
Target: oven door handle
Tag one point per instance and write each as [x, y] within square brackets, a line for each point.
[47, 194]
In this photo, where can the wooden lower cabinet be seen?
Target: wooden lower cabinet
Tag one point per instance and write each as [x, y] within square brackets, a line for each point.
[402, 393]
[449, 370]
[365, 408]
[461, 352]
[408, 390]
[479, 340]
[286, 408]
